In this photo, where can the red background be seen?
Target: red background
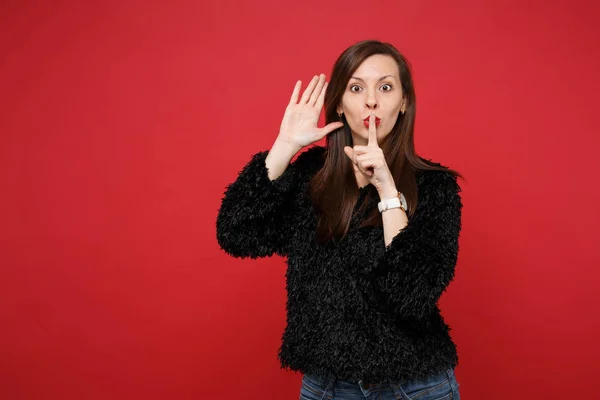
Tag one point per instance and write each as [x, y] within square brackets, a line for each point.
[121, 123]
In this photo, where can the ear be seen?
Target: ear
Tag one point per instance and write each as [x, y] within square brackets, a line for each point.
[403, 106]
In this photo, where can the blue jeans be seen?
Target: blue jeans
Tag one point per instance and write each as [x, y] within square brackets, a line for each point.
[438, 387]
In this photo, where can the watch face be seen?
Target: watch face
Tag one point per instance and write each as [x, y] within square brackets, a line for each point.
[403, 202]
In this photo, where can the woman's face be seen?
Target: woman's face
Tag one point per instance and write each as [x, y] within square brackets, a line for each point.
[374, 87]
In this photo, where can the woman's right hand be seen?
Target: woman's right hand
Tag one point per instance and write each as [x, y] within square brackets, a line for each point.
[299, 124]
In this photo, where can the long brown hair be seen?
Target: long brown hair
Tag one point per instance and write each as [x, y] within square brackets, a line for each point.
[334, 190]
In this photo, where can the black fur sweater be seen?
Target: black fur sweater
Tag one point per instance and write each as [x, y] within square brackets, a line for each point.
[356, 309]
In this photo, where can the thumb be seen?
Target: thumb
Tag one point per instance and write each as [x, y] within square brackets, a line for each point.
[349, 152]
[332, 127]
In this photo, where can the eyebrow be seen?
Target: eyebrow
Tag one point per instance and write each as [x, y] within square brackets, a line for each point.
[380, 79]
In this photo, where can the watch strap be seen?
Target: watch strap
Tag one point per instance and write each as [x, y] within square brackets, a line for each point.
[394, 202]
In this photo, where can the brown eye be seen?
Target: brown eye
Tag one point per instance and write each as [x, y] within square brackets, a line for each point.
[354, 87]
[389, 87]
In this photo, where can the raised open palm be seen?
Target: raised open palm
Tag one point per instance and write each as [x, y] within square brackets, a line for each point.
[299, 124]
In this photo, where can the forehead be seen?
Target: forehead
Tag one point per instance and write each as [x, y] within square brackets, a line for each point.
[376, 66]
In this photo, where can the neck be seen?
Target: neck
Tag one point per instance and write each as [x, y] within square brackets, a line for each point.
[358, 141]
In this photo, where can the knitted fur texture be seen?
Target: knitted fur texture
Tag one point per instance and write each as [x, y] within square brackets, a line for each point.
[356, 309]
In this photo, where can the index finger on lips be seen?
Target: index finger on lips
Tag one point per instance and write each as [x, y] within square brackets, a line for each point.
[372, 131]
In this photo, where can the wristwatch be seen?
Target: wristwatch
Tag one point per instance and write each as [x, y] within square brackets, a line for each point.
[395, 202]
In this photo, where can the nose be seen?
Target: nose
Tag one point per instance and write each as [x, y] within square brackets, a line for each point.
[371, 100]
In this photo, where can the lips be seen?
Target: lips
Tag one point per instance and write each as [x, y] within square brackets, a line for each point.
[366, 121]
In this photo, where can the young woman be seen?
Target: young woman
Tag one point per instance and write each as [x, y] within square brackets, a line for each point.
[370, 231]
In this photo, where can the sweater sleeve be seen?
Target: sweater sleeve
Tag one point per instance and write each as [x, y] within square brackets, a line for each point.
[419, 263]
[255, 216]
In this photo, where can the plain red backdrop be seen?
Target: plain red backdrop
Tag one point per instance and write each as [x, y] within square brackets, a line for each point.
[122, 122]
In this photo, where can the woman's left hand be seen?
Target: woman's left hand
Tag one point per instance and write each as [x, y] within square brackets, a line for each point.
[370, 161]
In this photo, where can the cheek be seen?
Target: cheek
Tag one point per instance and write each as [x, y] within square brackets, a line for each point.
[356, 126]
[353, 115]
[350, 105]
[392, 120]
[390, 123]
